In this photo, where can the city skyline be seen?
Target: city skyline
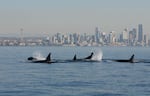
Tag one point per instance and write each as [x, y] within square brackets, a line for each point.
[41, 18]
[133, 37]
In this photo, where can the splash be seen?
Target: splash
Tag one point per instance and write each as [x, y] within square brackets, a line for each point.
[97, 55]
[38, 55]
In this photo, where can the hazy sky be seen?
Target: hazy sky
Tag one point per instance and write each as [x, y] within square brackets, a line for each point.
[47, 17]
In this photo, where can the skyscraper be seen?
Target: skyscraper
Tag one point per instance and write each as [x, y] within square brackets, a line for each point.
[97, 35]
[140, 33]
[134, 34]
[112, 37]
[146, 39]
[125, 35]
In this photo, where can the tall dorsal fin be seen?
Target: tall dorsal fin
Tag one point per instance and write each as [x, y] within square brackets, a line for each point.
[75, 58]
[132, 58]
[48, 58]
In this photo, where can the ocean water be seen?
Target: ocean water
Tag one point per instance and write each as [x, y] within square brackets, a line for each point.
[104, 78]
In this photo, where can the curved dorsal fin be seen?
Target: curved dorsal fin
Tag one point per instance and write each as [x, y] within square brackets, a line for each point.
[89, 57]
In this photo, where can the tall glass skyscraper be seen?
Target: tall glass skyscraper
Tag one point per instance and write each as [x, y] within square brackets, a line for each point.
[140, 33]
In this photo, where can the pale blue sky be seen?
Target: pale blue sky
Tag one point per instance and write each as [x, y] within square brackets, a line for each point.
[47, 17]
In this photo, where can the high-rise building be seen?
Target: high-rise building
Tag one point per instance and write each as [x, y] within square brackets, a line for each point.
[140, 33]
[76, 38]
[97, 35]
[132, 37]
[71, 39]
[134, 33]
[146, 39]
[125, 34]
[112, 37]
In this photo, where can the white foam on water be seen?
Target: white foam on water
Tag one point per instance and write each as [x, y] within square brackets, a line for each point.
[98, 54]
[38, 55]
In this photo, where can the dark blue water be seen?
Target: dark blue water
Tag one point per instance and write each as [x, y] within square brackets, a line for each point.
[106, 78]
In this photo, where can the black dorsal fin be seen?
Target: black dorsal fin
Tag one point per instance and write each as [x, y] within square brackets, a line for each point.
[75, 58]
[132, 58]
[48, 58]
[89, 57]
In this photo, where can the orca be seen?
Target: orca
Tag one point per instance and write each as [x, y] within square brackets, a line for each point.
[32, 58]
[131, 60]
[89, 57]
[35, 60]
[84, 59]
[49, 61]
